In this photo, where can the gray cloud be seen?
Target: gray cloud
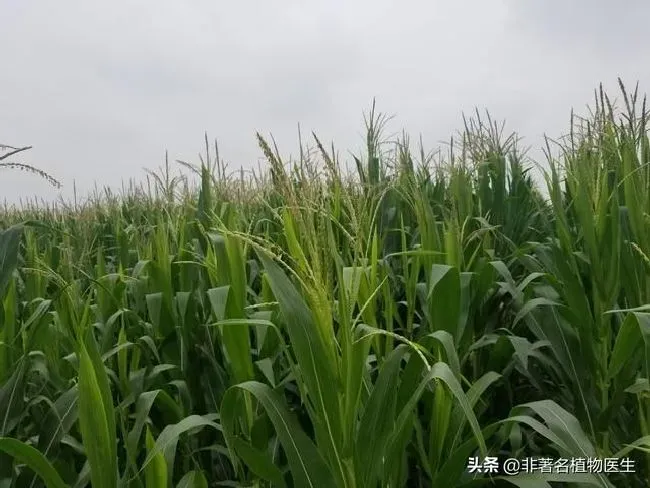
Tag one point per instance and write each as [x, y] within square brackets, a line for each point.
[602, 28]
[101, 90]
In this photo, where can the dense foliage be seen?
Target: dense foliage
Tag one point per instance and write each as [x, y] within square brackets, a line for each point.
[311, 328]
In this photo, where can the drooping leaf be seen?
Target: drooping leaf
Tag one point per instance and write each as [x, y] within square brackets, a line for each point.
[305, 461]
[33, 458]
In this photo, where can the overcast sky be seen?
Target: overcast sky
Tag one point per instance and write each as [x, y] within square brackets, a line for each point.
[102, 89]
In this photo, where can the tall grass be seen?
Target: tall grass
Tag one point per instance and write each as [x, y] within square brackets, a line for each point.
[314, 326]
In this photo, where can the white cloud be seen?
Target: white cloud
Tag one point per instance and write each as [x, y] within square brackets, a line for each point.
[102, 89]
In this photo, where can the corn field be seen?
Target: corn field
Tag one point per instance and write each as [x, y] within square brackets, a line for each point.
[314, 326]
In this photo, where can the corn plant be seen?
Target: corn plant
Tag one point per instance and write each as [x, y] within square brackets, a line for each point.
[315, 326]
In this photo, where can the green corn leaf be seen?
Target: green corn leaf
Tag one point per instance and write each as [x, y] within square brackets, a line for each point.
[143, 406]
[193, 479]
[9, 247]
[170, 435]
[307, 466]
[315, 359]
[12, 399]
[96, 417]
[258, 461]
[59, 420]
[377, 420]
[33, 458]
[155, 473]
[628, 342]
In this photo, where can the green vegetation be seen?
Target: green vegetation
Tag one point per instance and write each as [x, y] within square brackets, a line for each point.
[306, 327]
